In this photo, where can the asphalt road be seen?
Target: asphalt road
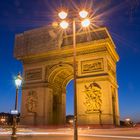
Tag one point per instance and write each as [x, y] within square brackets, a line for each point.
[66, 138]
[66, 134]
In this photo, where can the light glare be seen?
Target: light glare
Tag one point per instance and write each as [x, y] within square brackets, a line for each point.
[85, 23]
[62, 15]
[54, 24]
[83, 14]
[64, 24]
[18, 81]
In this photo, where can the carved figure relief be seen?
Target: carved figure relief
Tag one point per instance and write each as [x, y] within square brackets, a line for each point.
[31, 103]
[93, 99]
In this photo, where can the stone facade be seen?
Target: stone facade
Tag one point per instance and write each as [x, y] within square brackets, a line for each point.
[47, 57]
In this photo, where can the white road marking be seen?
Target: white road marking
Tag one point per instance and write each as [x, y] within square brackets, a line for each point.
[66, 133]
[110, 136]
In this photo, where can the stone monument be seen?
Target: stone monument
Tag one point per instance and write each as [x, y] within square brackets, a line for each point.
[47, 57]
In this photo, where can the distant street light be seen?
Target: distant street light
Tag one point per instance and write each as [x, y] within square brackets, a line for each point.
[127, 119]
[64, 24]
[18, 82]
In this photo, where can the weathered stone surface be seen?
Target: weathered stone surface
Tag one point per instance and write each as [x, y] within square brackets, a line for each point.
[47, 57]
[47, 38]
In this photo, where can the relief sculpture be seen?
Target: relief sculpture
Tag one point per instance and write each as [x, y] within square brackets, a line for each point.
[93, 100]
[90, 66]
[31, 103]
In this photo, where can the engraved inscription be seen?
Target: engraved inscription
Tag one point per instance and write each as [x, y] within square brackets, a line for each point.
[90, 66]
[34, 74]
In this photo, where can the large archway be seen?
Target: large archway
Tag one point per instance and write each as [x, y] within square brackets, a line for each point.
[59, 76]
[48, 67]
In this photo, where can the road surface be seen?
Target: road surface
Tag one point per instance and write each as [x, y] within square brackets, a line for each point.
[67, 134]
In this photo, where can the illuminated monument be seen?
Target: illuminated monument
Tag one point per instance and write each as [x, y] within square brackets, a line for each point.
[47, 57]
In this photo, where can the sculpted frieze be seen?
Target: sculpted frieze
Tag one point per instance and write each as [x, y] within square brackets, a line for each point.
[33, 74]
[90, 66]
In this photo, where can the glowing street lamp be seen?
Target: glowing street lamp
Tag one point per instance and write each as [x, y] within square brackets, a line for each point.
[64, 24]
[127, 119]
[62, 15]
[18, 82]
[85, 23]
[3, 120]
[83, 14]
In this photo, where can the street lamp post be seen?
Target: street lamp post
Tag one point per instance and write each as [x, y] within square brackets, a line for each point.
[64, 24]
[18, 82]
[74, 71]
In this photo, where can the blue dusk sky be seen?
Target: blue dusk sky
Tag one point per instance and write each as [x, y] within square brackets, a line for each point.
[121, 17]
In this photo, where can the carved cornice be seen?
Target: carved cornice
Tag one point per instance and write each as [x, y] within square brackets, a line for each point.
[97, 77]
[36, 85]
[62, 55]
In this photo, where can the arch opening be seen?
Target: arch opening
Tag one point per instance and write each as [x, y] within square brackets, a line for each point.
[69, 98]
[59, 78]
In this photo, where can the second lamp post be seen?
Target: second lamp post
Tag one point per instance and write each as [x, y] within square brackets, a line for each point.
[18, 82]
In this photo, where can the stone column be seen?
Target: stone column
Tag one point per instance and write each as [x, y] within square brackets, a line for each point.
[59, 105]
[48, 106]
[63, 108]
[117, 108]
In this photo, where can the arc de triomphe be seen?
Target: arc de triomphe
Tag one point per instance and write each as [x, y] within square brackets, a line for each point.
[47, 57]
